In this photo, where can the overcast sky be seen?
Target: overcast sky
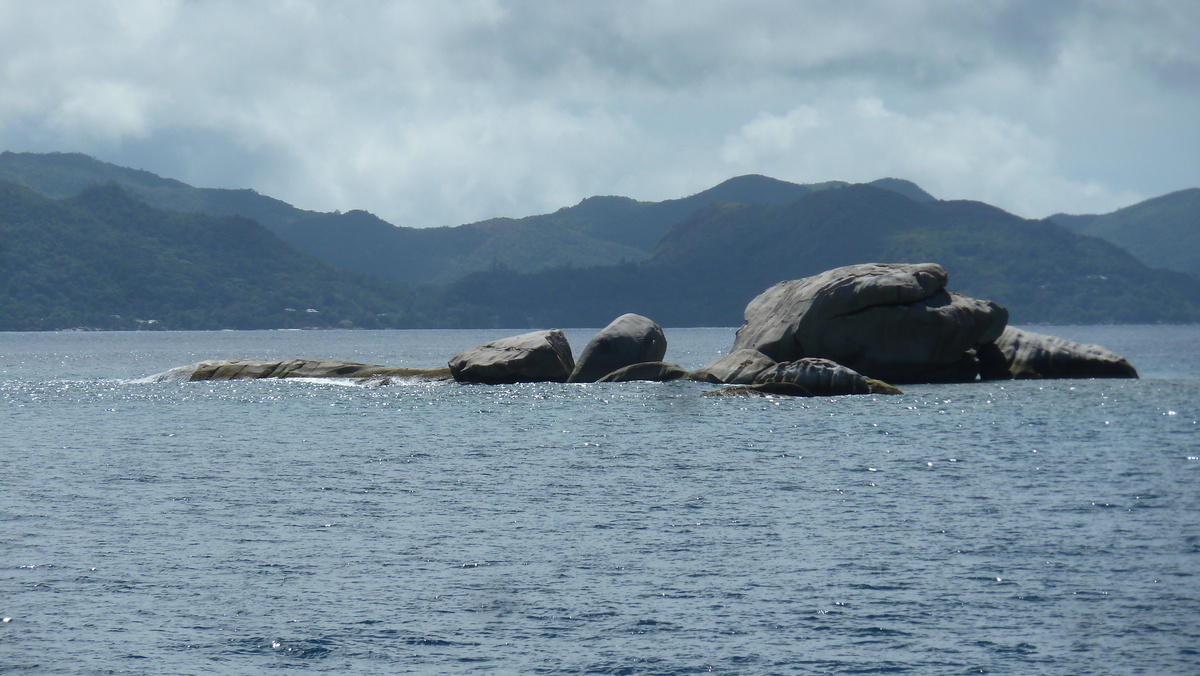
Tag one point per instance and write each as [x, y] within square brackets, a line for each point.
[440, 113]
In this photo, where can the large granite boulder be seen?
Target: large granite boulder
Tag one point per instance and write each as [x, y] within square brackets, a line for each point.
[249, 369]
[739, 367]
[658, 371]
[629, 339]
[538, 356]
[892, 322]
[1025, 354]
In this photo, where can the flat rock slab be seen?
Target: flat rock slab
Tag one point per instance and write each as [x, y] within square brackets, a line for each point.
[538, 356]
[739, 367]
[819, 377]
[1025, 354]
[251, 369]
[657, 371]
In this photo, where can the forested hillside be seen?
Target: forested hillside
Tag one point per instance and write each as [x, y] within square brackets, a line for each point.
[598, 231]
[89, 244]
[711, 264]
[104, 259]
[1163, 232]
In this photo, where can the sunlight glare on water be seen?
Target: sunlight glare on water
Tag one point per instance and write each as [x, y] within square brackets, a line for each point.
[640, 528]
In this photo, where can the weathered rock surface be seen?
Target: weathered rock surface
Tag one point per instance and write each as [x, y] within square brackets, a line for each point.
[538, 356]
[739, 367]
[249, 369]
[893, 322]
[809, 377]
[1025, 354]
[659, 371]
[820, 377]
[629, 339]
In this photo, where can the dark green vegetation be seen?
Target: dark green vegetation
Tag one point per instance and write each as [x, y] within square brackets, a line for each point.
[597, 231]
[103, 258]
[1162, 232]
[713, 262]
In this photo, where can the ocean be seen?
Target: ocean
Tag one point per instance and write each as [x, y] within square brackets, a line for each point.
[261, 527]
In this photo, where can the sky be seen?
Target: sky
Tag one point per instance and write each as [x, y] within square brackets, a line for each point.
[440, 113]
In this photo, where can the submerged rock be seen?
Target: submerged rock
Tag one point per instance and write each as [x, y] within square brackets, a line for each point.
[893, 322]
[658, 371]
[739, 367]
[629, 339]
[810, 377]
[538, 356]
[250, 369]
[1025, 354]
[820, 377]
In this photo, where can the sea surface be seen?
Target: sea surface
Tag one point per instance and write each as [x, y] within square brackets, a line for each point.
[262, 527]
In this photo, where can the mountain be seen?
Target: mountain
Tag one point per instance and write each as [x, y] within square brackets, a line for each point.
[105, 259]
[1162, 232]
[61, 175]
[709, 265]
[81, 259]
[597, 231]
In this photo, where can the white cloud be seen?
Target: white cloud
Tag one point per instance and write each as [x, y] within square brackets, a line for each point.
[954, 154]
[436, 113]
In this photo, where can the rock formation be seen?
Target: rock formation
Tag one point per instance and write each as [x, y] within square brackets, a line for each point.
[819, 377]
[844, 331]
[629, 339]
[249, 369]
[538, 356]
[892, 322]
[811, 377]
[1024, 354]
[659, 371]
[739, 367]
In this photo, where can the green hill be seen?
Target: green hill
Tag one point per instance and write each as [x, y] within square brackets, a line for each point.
[712, 263]
[104, 259]
[597, 231]
[1162, 232]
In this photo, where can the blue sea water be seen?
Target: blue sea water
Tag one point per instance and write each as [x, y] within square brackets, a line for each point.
[1034, 527]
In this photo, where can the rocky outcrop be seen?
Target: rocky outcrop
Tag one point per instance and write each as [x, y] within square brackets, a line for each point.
[822, 377]
[629, 339]
[250, 369]
[844, 331]
[739, 367]
[1025, 354]
[659, 371]
[819, 377]
[538, 356]
[892, 322]
[810, 377]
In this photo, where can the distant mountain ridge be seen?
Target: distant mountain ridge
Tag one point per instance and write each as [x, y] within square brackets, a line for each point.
[691, 261]
[600, 230]
[1162, 232]
[714, 261]
[103, 259]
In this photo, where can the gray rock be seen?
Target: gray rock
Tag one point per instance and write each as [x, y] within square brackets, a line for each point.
[658, 371]
[1025, 354]
[819, 377]
[629, 339]
[538, 356]
[739, 367]
[249, 369]
[891, 322]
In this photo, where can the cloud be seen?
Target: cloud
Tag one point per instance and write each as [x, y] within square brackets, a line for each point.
[438, 113]
[960, 153]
